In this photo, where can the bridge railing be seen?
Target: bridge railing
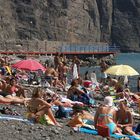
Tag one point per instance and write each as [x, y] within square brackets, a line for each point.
[84, 48]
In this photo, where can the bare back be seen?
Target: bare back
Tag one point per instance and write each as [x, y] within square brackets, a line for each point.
[106, 115]
[50, 72]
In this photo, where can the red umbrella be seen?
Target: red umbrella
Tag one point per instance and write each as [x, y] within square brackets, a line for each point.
[29, 64]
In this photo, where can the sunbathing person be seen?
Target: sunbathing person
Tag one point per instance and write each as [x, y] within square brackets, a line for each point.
[14, 89]
[124, 119]
[6, 97]
[55, 99]
[76, 94]
[38, 107]
[106, 115]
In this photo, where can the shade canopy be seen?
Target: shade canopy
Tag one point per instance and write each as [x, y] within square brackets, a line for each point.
[29, 64]
[121, 70]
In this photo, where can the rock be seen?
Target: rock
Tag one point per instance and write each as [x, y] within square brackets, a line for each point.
[55, 131]
[76, 21]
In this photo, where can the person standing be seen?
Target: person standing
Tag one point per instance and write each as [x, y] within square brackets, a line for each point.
[57, 60]
[77, 62]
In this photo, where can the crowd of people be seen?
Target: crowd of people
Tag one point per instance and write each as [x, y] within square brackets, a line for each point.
[114, 110]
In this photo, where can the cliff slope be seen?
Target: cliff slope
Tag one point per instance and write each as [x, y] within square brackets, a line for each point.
[112, 21]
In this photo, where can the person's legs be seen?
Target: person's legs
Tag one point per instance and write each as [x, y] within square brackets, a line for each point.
[128, 130]
[16, 100]
[118, 130]
[5, 100]
[48, 111]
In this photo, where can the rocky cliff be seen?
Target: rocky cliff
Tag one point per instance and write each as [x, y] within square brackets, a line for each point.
[112, 21]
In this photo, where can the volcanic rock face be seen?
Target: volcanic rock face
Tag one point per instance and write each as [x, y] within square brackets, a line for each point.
[77, 21]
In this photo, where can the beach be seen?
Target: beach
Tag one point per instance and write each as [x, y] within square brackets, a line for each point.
[26, 130]
[17, 130]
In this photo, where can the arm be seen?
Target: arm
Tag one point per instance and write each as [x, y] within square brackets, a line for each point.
[79, 91]
[44, 103]
[115, 116]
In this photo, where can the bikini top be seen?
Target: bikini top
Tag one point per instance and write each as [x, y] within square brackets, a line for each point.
[108, 115]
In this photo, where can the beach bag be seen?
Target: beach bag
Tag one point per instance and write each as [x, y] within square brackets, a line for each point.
[61, 113]
[103, 130]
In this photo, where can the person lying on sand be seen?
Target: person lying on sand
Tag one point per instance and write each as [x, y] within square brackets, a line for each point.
[55, 99]
[14, 89]
[38, 107]
[6, 97]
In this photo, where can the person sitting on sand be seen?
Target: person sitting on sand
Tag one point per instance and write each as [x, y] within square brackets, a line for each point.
[106, 115]
[124, 119]
[37, 107]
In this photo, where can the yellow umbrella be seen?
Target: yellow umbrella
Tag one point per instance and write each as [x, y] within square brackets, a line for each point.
[121, 70]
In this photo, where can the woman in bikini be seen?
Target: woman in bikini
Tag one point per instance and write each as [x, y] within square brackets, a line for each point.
[38, 107]
[6, 97]
[106, 115]
[124, 119]
[14, 89]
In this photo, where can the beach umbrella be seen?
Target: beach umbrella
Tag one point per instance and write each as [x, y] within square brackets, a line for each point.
[29, 64]
[121, 70]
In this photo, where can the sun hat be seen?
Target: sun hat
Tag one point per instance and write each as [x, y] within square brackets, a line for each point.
[108, 101]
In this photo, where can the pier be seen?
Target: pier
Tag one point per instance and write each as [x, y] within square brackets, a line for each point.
[52, 47]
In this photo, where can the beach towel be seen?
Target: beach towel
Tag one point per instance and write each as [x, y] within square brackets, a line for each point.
[117, 136]
[16, 118]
